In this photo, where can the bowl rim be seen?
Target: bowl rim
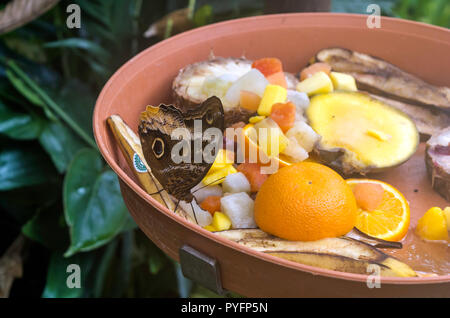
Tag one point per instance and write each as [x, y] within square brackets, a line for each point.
[98, 121]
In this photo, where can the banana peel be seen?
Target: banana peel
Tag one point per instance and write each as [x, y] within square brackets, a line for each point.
[379, 77]
[131, 149]
[340, 254]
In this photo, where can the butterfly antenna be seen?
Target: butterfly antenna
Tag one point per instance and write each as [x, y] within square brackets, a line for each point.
[208, 184]
[193, 211]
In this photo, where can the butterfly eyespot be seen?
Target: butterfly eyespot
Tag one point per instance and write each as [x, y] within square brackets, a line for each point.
[158, 147]
[209, 117]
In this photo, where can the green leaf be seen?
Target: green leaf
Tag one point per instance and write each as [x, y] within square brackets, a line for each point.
[78, 43]
[93, 268]
[118, 277]
[46, 228]
[76, 100]
[184, 284]
[203, 16]
[360, 6]
[24, 89]
[93, 205]
[157, 259]
[23, 166]
[78, 117]
[23, 203]
[19, 126]
[60, 143]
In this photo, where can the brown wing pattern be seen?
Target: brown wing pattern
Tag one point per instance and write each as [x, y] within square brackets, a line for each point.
[156, 128]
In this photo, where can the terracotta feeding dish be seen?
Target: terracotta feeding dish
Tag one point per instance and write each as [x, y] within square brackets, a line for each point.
[294, 38]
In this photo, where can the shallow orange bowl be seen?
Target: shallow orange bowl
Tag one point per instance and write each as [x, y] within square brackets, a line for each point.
[294, 38]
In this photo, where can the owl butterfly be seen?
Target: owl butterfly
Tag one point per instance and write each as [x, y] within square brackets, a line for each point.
[158, 125]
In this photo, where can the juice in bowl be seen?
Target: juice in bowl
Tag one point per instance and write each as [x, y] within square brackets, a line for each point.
[288, 177]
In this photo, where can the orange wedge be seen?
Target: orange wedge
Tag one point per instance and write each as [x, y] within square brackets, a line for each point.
[390, 219]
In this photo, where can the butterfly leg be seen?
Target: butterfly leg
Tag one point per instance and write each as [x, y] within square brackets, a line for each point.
[208, 184]
[193, 211]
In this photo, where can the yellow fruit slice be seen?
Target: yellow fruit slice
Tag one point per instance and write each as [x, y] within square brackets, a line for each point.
[218, 176]
[390, 220]
[433, 225]
[221, 222]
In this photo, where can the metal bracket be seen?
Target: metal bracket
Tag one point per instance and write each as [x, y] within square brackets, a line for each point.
[200, 268]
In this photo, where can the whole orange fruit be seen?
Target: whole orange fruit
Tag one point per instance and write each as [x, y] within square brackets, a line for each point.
[305, 202]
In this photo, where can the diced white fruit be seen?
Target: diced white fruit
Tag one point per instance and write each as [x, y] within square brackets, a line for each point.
[299, 99]
[236, 182]
[299, 117]
[200, 191]
[218, 85]
[295, 152]
[239, 208]
[304, 134]
[202, 217]
[253, 81]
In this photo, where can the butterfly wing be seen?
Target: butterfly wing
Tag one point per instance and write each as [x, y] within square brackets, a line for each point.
[160, 131]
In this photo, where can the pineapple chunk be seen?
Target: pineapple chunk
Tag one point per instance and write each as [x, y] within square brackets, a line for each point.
[270, 137]
[447, 217]
[319, 83]
[255, 119]
[210, 228]
[221, 222]
[239, 208]
[236, 182]
[343, 81]
[223, 159]
[218, 176]
[433, 225]
[272, 94]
